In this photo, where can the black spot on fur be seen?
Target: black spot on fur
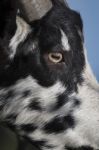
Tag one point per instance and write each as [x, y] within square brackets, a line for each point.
[2, 100]
[61, 100]
[39, 144]
[49, 146]
[69, 120]
[11, 117]
[10, 94]
[76, 102]
[28, 127]
[35, 105]
[42, 143]
[26, 93]
[80, 148]
[10, 121]
[59, 124]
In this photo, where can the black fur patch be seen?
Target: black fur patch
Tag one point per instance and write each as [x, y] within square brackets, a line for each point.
[10, 121]
[11, 117]
[26, 93]
[10, 94]
[35, 105]
[76, 102]
[28, 127]
[61, 100]
[59, 124]
[39, 144]
[2, 100]
[42, 143]
[80, 148]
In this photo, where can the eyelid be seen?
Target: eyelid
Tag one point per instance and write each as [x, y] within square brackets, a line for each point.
[55, 57]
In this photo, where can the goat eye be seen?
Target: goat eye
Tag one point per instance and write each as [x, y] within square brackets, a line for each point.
[55, 57]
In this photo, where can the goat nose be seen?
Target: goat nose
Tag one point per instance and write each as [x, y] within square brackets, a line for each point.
[34, 9]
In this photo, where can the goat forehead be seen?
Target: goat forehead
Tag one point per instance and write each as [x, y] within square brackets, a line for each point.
[22, 32]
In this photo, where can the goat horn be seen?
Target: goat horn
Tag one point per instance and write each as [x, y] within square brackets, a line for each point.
[34, 9]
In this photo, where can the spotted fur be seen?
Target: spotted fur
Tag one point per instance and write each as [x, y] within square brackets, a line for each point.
[55, 106]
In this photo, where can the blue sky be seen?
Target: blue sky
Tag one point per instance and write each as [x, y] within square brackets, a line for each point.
[89, 10]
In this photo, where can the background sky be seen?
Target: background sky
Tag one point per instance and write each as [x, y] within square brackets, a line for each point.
[89, 10]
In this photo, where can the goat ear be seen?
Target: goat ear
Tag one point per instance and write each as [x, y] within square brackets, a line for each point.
[60, 3]
[78, 23]
[8, 11]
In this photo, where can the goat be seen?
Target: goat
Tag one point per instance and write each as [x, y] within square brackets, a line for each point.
[48, 92]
